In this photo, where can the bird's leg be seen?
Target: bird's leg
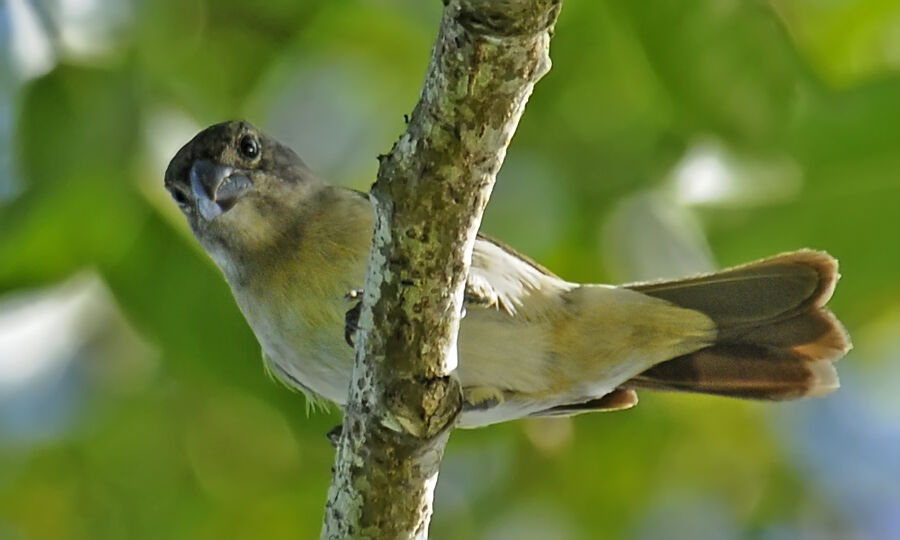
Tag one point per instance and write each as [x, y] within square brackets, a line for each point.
[351, 319]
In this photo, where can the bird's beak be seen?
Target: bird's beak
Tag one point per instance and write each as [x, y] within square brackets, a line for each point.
[216, 188]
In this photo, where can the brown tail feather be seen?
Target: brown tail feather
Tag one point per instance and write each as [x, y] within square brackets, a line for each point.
[617, 400]
[775, 340]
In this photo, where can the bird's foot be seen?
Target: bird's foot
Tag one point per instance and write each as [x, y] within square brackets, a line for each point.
[351, 318]
[334, 435]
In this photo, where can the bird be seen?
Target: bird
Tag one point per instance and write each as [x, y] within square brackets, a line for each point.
[292, 248]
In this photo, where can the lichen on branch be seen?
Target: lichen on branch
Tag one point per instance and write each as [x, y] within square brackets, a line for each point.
[429, 197]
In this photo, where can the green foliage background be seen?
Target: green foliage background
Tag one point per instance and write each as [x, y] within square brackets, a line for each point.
[165, 424]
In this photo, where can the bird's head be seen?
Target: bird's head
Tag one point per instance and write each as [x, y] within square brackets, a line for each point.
[241, 191]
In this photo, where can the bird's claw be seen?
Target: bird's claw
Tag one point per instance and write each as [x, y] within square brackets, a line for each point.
[351, 318]
[334, 435]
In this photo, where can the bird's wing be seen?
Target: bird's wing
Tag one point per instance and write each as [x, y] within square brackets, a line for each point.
[509, 282]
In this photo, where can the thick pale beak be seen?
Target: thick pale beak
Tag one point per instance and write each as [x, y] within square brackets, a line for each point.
[216, 188]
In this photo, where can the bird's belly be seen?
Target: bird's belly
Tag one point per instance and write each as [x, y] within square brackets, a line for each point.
[309, 352]
[496, 350]
[316, 367]
[305, 348]
[502, 364]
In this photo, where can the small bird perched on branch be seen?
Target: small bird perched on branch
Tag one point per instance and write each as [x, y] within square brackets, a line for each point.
[531, 344]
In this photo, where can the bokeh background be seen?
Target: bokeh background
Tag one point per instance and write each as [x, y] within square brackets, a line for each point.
[669, 137]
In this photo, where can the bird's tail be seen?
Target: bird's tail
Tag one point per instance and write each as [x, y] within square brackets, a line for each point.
[776, 339]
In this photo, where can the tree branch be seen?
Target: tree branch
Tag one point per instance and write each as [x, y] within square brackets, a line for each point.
[429, 197]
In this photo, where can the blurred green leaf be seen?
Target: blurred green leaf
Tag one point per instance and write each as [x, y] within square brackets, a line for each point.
[727, 64]
[845, 42]
[77, 137]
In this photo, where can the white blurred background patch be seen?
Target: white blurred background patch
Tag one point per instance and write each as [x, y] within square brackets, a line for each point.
[57, 346]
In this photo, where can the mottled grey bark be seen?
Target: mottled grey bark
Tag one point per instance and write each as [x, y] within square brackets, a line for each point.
[429, 197]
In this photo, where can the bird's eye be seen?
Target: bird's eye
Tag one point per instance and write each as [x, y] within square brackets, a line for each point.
[180, 197]
[248, 147]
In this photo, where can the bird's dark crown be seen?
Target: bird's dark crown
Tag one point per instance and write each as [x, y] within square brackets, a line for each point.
[222, 144]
